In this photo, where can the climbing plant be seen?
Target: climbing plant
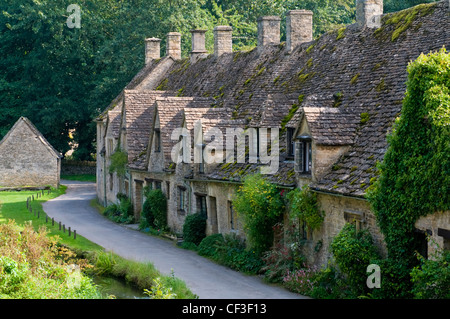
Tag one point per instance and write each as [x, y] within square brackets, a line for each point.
[303, 206]
[119, 160]
[260, 205]
[414, 177]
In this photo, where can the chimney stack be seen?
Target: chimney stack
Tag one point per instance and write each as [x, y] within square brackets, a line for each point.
[173, 48]
[268, 31]
[198, 45]
[152, 49]
[223, 42]
[299, 28]
[368, 13]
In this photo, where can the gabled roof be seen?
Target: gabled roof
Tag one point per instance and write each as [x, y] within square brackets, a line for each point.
[35, 132]
[362, 74]
[137, 121]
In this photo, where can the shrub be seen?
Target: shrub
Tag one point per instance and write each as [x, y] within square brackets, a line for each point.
[431, 280]
[303, 206]
[121, 212]
[301, 281]
[155, 209]
[209, 245]
[260, 205]
[194, 228]
[281, 260]
[233, 253]
[353, 251]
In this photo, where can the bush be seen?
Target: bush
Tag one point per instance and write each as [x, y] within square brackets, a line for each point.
[281, 260]
[431, 280]
[260, 204]
[353, 251]
[209, 245]
[121, 212]
[233, 253]
[194, 228]
[155, 209]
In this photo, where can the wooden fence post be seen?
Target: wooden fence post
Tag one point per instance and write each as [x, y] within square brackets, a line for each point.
[74, 234]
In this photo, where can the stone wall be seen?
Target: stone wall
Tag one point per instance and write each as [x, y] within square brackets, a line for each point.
[78, 167]
[26, 161]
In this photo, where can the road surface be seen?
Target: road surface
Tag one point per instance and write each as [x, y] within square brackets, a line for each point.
[205, 278]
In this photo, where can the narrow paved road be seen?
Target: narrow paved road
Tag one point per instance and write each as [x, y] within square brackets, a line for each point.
[205, 278]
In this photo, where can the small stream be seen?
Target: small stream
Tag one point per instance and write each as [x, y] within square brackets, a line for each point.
[118, 287]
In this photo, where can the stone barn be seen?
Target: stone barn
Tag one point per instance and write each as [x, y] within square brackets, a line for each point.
[27, 159]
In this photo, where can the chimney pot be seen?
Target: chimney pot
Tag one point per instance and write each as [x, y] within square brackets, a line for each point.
[152, 49]
[299, 28]
[223, 41]
[268, 31]
[173, 48]
[198, 45]
[368, 13]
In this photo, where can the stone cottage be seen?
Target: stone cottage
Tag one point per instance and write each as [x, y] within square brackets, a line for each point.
[331, 101]
[27, 158]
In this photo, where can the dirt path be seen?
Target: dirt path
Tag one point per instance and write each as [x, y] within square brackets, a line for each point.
[205, 278]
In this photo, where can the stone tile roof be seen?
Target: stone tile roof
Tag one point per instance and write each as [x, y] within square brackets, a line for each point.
[171, 112]
[114, 120]
[330, 126]
[36, 133]
[356, 72]
[139, 107]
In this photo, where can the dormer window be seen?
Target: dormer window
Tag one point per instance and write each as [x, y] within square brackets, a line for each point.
[290, 142]
[303, 154]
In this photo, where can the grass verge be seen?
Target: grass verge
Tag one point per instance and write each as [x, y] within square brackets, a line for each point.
[13, 206]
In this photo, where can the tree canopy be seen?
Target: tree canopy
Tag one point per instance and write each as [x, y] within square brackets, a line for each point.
[61, 78]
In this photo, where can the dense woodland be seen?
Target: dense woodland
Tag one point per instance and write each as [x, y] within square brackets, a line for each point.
[61, 78]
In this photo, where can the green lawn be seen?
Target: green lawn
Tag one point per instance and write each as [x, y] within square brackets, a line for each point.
[13, 206]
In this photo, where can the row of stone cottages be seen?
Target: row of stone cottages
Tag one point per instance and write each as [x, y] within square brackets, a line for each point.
[333, 99]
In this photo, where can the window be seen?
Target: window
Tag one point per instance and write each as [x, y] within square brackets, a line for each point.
[157, 140]
[355, 218]
[111, 182]
[231, 215]
[181, 198]
[158, 185]
[201, 205]
[290, 142]
[168, 189]
[303, 155]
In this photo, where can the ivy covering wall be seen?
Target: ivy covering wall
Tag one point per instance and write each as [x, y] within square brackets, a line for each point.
[414, 178]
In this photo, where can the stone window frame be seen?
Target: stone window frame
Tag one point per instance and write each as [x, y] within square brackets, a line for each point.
[355, 217]
[290, 143]
[181, 199]
[201, 204]
[303, 155]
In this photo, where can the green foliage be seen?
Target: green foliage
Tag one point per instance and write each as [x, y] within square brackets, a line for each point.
[121, 212]
[31, 267]
[155, 208]
[431, 279]
[119, 160]
[353, 251]
[260, 205]
[208, 246]
[303, 207]
[194, 228]
[415, 173]
[159, 291]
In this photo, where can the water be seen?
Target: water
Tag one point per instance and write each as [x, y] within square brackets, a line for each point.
[118, 287]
